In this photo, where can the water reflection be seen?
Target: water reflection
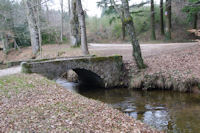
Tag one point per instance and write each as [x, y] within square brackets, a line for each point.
[69, 85]
[165, 110]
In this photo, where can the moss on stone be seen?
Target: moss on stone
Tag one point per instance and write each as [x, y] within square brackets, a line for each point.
[12, 63]
[81, 60]
[111, 58]
[55, 62]
[26, 68]
[96, 59]
[40, 60]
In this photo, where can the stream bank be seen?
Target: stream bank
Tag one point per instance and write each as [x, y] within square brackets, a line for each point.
[177, 71]
[145, 81]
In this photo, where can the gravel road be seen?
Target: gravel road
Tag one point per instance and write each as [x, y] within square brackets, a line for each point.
[147, 49]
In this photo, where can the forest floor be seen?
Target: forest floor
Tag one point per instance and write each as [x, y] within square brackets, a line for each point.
[31, 103]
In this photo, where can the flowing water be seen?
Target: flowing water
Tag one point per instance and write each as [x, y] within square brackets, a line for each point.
[165, 110]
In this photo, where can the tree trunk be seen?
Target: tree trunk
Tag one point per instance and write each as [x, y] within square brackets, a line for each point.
[69, 7]
[47, 13]
[123, 31]
[161, 18]
[38, 7]
[74, 25]
[123, 27]
[153, 34]
[47, 21]
[81, 16]
[61, 28]
[131, 31]
[33, 26]
[15, 45]
[4, 38]
[121, 15]
[12, 25]
[168, 20]
[195, 21]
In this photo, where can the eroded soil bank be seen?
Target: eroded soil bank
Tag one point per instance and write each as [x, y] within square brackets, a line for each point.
[178, 71]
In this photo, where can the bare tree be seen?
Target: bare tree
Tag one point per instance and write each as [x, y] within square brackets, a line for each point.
[38, 7]
[168, 20]
[7, 25]
[81, 16]
[4, 38]
[120, 12]
[74, 25]
[153, 34]
[123, 27]
[47, 12]
[131, 31]
[195, 24]
[161, 18]
[2, 41]
[69, 7]
[33, 18]
[61, 28]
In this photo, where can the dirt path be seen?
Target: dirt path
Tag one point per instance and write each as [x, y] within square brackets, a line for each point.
[10, 71]
[148, 50]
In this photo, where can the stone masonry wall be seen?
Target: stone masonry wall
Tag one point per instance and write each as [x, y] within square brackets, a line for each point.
[108, 68]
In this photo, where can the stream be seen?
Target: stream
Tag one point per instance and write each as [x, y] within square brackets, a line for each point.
[170, 111]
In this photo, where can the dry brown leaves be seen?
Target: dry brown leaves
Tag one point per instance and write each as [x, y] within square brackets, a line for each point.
[45, 107]
[181, 66]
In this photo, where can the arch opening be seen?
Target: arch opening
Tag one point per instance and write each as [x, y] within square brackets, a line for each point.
[88, 78]
[84, 78]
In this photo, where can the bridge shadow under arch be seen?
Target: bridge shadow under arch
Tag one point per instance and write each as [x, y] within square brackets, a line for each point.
[88, 78]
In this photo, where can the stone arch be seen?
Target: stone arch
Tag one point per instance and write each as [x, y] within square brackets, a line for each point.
[106, 71]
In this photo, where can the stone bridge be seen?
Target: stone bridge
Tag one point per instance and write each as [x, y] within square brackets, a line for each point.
[101, 71]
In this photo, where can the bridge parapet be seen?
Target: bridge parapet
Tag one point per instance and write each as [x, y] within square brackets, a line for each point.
[104, 70]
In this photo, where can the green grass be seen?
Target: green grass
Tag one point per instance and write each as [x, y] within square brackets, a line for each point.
[13, 85]
[10, 85]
